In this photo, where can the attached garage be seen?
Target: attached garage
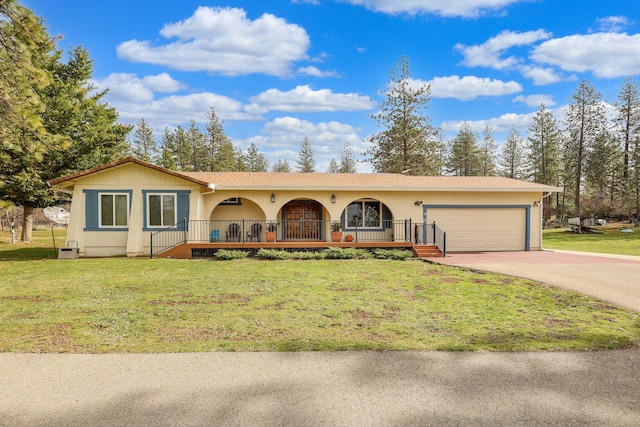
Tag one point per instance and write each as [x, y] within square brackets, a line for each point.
[482, 228]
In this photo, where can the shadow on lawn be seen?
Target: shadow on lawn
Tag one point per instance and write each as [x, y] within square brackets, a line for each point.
[27, 254]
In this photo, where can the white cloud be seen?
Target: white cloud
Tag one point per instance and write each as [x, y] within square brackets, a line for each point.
[613, 23]
[134, 98]
[305, 99]
[535, 100]
[316, 72]
[540, 75]
[606, 55]
[471, 87]
[499, 124]
[282, 138]
[127, 87]
[489, 53]
[465, 8]
[225, 41]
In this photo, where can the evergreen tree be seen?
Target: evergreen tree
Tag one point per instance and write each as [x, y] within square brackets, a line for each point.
[197, 156]
[334, 167]
[543, 148]
[585, 118]
[254, 160]
[306, 162]
[281, 166]
[627, 124]
[347, 159]
[167, 158]
[407, 142]
[488, 152]
[52, 122]
[181, 149]
[144, 145]
[465, 157]
[226, 158]
[215, 139]
[512, 161]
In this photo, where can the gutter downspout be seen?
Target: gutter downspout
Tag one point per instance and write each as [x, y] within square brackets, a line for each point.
[212, 186]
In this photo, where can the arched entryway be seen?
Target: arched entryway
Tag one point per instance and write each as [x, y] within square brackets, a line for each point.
[302, 220]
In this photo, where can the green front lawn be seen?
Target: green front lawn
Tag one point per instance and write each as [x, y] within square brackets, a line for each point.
[149, 306]
[611, 241]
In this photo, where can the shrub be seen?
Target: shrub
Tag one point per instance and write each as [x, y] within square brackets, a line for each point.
[226, 254]
[346, 253]
[397, 254]
[275, 254]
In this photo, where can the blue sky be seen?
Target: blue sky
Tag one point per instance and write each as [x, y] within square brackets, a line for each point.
[279, 70]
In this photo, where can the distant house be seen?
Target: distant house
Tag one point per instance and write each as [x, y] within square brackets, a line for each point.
[135, 208]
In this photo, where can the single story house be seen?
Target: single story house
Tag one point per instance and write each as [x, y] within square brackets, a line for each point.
[133, 208]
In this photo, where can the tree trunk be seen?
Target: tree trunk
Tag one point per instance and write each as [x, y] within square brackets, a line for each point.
[27, 222]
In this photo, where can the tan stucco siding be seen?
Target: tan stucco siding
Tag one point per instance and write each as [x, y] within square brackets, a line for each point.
[130, 177]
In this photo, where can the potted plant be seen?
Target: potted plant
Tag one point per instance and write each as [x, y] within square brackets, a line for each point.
[336, 234]
[270, 234]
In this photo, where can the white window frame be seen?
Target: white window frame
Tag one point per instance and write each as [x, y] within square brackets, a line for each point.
[113, 196]
[162, 221]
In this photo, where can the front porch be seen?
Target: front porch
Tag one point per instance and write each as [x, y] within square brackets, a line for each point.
[202, 238]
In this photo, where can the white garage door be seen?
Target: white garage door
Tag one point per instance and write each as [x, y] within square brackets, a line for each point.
[481, 229]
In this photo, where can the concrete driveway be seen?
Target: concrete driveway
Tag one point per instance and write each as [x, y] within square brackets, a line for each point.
[612, 278]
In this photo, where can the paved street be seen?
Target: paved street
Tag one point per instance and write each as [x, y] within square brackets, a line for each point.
[337, 389]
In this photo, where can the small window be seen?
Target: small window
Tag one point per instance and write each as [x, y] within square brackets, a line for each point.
[232, 201]
[364, 214]
[161, 210]
[114, 210]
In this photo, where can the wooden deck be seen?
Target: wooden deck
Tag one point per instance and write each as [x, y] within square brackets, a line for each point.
[205, 250]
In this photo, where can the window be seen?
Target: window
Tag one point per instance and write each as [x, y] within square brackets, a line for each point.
[232, 201]
[114, 210]
[364, 214]
[161, 210]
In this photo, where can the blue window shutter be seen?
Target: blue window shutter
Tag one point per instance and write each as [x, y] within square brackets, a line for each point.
[183, 207]
[91, 209]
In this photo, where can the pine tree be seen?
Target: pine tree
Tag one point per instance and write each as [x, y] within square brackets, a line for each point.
[627, 124]
[144, 146]
[281, 166]
[465, 157]
[254, 160]
[52, 122]
[306, 162]
[543, 148]
[512, 161]
[585, 118]
[488, 152]
[197, 156]
[334, 167]
[215, 139]
[407, 142]
[226, 158]
[167, 158]
[347, 159]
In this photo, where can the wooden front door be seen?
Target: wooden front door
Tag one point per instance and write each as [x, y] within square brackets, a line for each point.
[309, 227]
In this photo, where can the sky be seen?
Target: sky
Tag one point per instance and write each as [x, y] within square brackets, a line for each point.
[277, 71]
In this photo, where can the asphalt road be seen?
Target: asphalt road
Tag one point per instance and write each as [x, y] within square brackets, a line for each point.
[336, 389]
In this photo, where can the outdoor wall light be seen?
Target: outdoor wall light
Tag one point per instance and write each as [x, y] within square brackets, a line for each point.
[333, 198]
[418, 202]
[273, 198]
[536, 203]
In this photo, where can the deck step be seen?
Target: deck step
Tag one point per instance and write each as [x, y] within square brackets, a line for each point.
[427, 251]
